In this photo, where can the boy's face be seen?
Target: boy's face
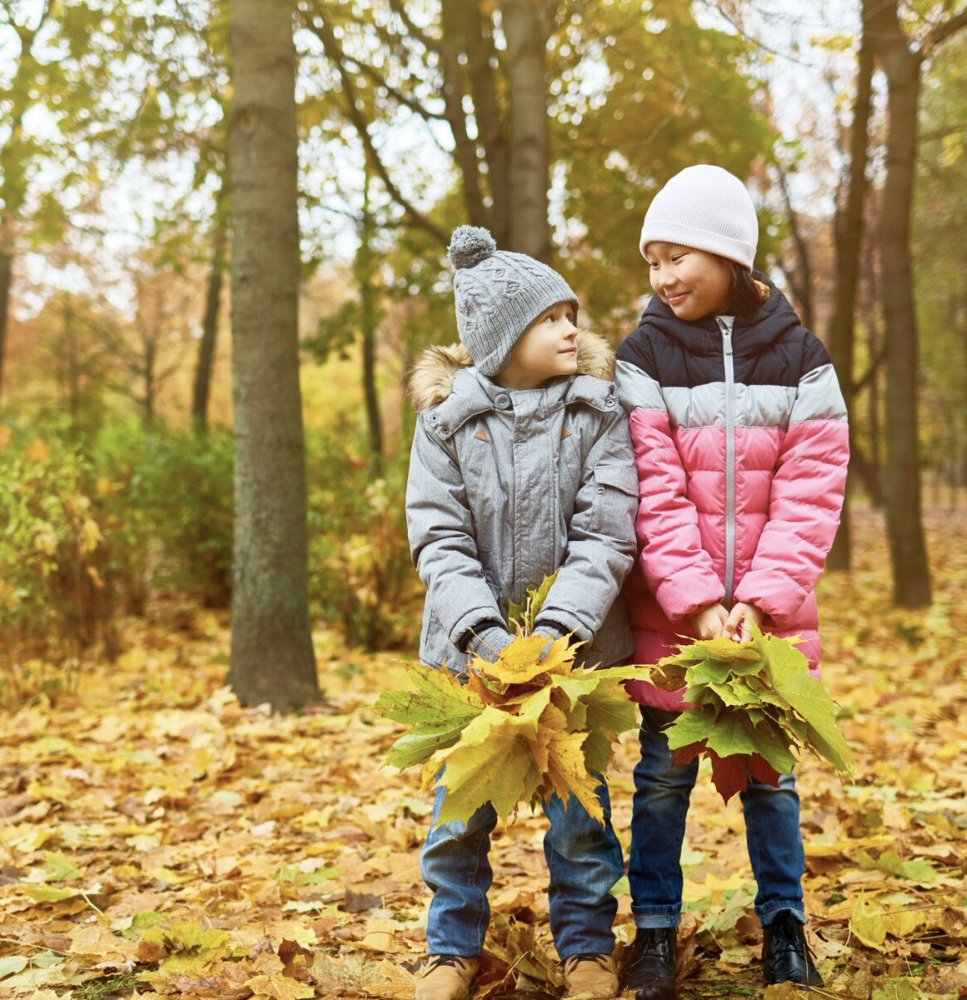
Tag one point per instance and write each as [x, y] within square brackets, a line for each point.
[547, 349]
[692, 283]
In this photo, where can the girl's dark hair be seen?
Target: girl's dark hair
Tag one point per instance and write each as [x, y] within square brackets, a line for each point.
[746, 296]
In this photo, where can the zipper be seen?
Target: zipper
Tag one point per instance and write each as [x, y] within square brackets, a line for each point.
[729, 460]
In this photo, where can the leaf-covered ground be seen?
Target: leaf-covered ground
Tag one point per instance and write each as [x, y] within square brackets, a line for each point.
[156, 839]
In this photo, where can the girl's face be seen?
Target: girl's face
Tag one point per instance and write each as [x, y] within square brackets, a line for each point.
[692, 283]
[547, 349]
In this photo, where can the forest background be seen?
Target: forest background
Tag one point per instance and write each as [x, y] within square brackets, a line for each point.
[222, 243]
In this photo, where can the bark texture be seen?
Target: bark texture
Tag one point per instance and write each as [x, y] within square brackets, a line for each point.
[272, 659]
[908, 553]
[526, 32]
[209, 333]
[848, 237]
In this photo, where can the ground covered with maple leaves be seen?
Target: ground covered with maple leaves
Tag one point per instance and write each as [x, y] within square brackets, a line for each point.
[158, 840]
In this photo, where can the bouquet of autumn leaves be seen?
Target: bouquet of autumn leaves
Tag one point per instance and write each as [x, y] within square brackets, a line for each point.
[534, 723]
[750, 706]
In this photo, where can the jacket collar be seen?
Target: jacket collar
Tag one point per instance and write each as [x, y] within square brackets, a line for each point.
[445, 377]
[752, 334]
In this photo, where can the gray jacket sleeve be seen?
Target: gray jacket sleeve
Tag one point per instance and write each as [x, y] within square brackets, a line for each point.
[442, 541]
[601, 541]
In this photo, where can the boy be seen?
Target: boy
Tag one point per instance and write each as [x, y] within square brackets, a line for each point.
[521, 465]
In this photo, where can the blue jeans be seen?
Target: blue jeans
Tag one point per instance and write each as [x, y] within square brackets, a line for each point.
[658, 828]
[584, 861]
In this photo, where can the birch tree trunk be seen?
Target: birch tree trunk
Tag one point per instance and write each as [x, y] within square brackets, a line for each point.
[272, 659]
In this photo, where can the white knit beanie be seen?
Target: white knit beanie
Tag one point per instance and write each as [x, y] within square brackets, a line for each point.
[498, 294]
[705, 208]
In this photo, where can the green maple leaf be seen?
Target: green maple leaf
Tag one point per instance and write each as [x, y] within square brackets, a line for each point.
[578, 684]
[421, 742]
[711, 672]
[691, 726]
[810, 700]
[439, 699]
[598, 752]
[609, 710]
[773, 744]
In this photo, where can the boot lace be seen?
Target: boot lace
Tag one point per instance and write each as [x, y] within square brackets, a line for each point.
[572, 960]
[789, 935]
[456, 961]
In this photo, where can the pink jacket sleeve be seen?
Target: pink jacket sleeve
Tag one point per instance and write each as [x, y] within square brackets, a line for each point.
[805, 502]
[678, 571]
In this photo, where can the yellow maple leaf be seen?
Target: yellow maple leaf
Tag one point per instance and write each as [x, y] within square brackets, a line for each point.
[492, 762]
[519, 662]
[279, 987]
[568, 773]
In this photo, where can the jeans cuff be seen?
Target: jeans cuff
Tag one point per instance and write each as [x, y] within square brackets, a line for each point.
[653, 921]
[769, 912]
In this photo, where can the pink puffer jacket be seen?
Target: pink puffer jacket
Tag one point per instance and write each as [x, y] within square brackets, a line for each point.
[742, 444]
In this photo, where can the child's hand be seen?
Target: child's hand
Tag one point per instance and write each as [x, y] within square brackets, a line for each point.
[737, 625]
[709, 621]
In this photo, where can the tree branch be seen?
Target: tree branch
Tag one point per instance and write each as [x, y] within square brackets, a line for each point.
[393, 92]
[870, 372]
[400, 11]
[942, 32]
[335, 55]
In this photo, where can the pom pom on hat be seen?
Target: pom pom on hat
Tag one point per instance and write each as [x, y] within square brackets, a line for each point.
[498, 294]
[469, 245]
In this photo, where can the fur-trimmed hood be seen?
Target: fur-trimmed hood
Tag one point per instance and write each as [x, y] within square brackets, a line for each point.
[431, 379]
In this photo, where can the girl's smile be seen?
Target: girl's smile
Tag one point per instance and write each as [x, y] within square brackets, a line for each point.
[692, 283]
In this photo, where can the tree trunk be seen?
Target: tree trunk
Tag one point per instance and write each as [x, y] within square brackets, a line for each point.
[526, 35]
[848, 236]
[908, 554]
[272, 658]
[367, 321]
[150, 380]
[800, 277]
[6, 279]
[209, 331]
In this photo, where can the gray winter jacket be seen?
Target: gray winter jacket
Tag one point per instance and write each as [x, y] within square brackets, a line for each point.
[506, 486]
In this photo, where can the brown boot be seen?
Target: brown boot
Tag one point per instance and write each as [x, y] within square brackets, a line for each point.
[590, 977]
[447, 977]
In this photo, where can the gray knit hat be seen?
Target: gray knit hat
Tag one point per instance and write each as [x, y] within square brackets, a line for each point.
[706, 208]
[498, 295]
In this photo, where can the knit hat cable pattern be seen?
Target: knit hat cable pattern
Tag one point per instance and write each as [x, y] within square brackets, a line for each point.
[705, 208]
[498, 295]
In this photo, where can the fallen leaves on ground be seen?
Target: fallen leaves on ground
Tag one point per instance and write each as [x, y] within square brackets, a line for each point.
[158, 840]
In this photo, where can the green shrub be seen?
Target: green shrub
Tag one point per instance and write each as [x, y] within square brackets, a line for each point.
[360, 574]
[55, 599]
[168, 511]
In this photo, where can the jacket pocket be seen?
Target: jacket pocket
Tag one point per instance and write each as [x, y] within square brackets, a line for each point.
[615, 500]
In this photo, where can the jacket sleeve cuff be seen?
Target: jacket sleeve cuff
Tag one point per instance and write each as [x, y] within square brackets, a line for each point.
[558, 618]
[475, 620]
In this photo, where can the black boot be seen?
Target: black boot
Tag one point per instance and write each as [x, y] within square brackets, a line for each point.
[786, 957]
[650, 966]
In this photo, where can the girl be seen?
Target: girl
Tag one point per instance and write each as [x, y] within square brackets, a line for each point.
[741, 441]
[521, 465]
